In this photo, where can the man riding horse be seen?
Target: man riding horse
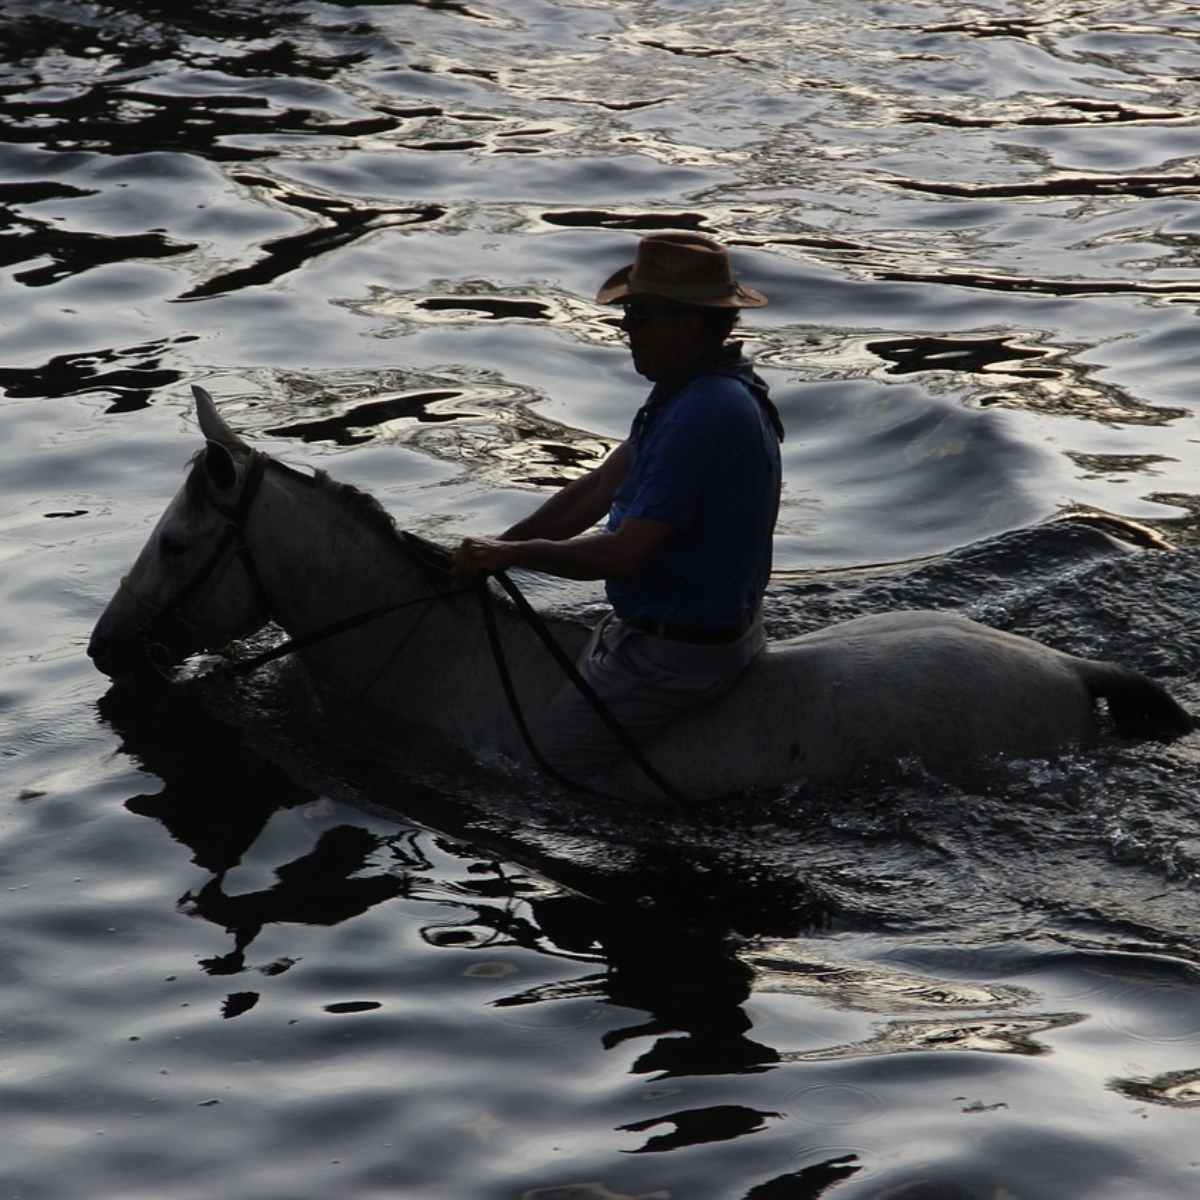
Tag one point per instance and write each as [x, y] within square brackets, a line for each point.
[691, 499]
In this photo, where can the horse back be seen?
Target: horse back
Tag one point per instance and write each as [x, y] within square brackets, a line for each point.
[869, 692]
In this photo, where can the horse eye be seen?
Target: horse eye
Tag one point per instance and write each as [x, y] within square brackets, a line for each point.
[172, 546]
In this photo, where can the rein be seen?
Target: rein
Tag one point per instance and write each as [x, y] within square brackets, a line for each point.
[292, 645]
[585, 689]
[343, 625]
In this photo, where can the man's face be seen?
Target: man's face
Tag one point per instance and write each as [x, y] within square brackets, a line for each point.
[662, 339]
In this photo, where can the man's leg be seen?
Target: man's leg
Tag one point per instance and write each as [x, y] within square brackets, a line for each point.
[644, 682]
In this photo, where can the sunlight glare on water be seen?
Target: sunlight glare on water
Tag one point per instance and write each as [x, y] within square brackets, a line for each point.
[246, 959]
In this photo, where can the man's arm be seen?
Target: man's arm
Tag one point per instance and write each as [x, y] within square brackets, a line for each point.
[619, 554]
[577, 506]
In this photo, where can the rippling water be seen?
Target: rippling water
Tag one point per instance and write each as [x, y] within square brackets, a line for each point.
[244, 958]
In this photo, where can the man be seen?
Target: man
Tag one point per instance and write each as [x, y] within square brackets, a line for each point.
[691, 500]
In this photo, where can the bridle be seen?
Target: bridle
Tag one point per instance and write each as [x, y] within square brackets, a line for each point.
[232, 546]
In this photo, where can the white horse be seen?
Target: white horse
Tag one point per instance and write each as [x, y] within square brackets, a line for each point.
[248, 540]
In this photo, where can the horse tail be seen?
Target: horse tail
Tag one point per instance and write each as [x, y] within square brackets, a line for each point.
[1138, 705]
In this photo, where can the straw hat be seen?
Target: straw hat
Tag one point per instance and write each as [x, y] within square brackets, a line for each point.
[680, 268]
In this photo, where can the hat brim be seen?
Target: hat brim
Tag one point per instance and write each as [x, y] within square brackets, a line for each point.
[618, 287]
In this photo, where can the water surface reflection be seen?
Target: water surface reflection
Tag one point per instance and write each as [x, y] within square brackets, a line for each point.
[375, 231]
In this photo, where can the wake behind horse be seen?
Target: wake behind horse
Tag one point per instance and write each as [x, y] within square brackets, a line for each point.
[248, 540]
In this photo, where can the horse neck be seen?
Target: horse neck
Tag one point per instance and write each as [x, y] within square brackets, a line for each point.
[324, 555]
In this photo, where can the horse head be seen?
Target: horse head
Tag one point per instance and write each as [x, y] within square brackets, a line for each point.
[194, 586]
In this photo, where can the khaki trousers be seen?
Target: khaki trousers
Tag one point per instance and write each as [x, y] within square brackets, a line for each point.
[644, 680]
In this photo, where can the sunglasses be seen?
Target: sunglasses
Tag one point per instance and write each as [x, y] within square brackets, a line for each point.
[634, 314]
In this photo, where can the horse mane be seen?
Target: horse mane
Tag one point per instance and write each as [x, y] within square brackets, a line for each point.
[362, 505]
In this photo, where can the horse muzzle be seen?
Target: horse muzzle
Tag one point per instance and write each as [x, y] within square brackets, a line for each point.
[118, 658]
[137, 654]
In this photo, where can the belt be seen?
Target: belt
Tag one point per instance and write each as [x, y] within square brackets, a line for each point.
[684, 633]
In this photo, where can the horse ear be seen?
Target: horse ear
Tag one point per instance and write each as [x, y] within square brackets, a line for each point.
[212, 425]
[219, 466]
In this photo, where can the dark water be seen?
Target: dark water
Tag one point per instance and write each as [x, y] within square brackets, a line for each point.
[246, 958]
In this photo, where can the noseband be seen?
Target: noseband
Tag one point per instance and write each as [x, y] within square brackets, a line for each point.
[182, 607]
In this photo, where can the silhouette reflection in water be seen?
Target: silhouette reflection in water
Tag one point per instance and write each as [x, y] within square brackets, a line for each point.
[659, 930]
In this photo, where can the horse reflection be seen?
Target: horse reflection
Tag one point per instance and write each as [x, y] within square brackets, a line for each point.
[657, 927]
[217, 795]
[654, 937]
[316, 889]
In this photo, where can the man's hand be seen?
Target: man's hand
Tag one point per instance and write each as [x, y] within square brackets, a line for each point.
[479, 556]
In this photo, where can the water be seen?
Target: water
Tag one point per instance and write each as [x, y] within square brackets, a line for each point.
[245, 959]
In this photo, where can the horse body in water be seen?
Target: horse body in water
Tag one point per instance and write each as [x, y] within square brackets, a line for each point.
[248, 540]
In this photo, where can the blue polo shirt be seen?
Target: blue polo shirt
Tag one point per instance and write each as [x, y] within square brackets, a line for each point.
[704, 459]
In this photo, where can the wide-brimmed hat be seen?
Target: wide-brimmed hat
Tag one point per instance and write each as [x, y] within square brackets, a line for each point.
[680, 268]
